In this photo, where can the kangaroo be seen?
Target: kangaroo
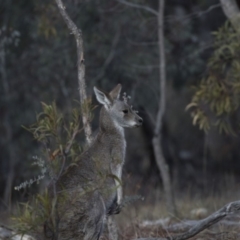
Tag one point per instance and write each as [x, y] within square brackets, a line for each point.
[90, 190]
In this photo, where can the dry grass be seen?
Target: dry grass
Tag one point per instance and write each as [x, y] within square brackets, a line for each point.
[153, 208]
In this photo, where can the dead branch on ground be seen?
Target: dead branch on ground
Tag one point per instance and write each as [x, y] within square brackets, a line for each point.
[230, 208]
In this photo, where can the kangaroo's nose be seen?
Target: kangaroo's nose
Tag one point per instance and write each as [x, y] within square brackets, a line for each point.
[140, 120]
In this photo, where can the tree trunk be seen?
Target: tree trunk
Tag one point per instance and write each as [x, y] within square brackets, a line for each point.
[81, 70]
[232, 12]
[161, 162]
[6, 122]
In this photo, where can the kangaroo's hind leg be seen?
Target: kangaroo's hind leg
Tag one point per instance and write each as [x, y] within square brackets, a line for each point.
[95, 217]
[84, 219]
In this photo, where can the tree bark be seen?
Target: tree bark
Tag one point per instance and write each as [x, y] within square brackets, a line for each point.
[161, 162]
[81, 70]
[232, 12]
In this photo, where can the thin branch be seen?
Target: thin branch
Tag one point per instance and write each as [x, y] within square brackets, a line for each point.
[113, 9]
[67, 149]
[169, 18]
[81, 70]
[109, 57]
[70, 143]
[194, 14]
[135, 5]
[162, 69]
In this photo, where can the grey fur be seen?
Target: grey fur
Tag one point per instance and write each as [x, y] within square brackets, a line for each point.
[90, 190]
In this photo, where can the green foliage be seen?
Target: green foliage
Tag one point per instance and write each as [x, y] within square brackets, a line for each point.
[218, 95]
[57, 133]
[31, 216]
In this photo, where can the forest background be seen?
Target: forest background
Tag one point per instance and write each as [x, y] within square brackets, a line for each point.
[38, 64]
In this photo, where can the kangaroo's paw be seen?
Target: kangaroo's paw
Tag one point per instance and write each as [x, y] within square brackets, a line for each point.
[115, 209]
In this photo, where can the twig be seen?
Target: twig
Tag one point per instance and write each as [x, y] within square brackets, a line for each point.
[81, 69]
[70, 143]
[66, 151]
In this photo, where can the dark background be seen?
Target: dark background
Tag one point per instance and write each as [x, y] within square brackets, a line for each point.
[38, 63]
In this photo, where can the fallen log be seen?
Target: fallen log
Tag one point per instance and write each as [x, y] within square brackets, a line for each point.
[230, 208]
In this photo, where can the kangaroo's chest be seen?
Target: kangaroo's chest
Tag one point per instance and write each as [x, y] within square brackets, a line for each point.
[118, 151]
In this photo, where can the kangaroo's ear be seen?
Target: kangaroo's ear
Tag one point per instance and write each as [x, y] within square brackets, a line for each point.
[102, 97]
[115, 93]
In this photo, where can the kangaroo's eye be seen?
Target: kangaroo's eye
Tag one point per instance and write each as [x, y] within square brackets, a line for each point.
[125, 111]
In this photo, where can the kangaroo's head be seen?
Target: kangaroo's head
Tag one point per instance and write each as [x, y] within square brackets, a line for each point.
[120, 112]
